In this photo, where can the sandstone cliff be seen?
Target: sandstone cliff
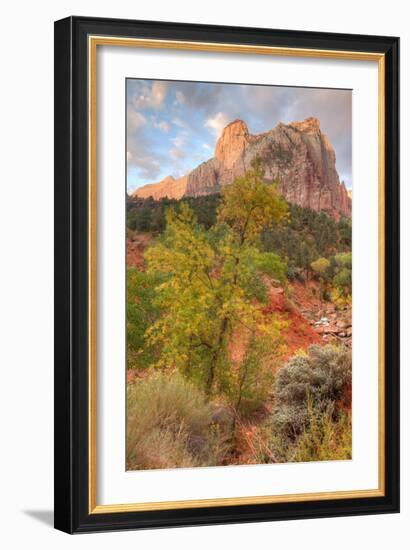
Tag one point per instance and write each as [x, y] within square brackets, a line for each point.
[298, 153]
[168, 187]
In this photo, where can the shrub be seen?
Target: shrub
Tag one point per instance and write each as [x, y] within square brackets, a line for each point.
[292, 273]
[320, 266]
[311, 392]
[170, 425]
[325, 438]
[342, 279]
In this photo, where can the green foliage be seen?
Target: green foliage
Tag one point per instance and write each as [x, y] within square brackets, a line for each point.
[305, 237]
[249, 205]
[311, 384]
[270, 264]
[148, 215]
[142, 312]
[343, 273]
[171, 425]
[187, 299]
[344, 260]
[324, 438]
[211, 281]
[252, 380]
[320, 266]
[297, 239]
[343, 279]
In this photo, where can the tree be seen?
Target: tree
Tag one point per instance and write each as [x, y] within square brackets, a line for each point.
[214, 282]
[305, 236]
[342, 279]
[249, 205]
[320, 267]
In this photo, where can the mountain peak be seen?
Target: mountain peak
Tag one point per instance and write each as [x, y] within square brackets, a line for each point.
[237, 124]
[232, 143]
[168, 179]
[309, 125]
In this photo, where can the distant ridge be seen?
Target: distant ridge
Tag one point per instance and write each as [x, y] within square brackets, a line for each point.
[168, 187]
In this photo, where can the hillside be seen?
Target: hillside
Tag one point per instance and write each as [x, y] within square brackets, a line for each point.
[310, 321]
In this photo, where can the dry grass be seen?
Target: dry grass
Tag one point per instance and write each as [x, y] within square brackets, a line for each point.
[170, 425]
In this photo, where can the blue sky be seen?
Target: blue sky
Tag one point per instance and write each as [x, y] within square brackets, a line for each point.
[173, 126]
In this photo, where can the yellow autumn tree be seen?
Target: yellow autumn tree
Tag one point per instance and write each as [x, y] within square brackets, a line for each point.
[213, 285]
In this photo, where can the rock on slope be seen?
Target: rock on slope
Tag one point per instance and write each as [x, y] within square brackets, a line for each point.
[298, 153]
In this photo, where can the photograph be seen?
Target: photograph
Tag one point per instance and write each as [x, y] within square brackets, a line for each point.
[239, 274]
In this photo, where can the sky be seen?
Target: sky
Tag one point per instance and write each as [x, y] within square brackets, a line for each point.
[173, 126]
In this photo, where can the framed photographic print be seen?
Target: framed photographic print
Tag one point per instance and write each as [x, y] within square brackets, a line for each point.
[226, 274]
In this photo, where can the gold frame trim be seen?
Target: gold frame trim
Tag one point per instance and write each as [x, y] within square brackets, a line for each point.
[93, 42]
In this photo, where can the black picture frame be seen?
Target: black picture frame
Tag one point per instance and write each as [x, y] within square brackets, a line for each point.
[71, 276]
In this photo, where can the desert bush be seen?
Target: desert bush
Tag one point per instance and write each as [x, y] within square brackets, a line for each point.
[324, 438]
[171, 425]
[309, 395]
[292, 273]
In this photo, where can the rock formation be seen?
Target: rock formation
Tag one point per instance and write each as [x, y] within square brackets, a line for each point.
[232, 143]
[298, 153]
[168, 187]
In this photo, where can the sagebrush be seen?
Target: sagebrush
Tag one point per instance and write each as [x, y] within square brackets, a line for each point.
[312, 396]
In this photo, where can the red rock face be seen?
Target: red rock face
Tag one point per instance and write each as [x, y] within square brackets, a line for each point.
[232, 144]
[298, 153]
[168, 187]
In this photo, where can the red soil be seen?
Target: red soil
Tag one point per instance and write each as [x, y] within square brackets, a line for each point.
[299, 334]
[305, 295]
[136, 245]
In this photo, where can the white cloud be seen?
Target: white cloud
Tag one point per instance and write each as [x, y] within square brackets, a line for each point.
[206, 146]
[179, 140]
[163, 125]
[177, 153]
[178, 122]
[135, 120]
[217, 123]
[153, 96]
[148, 166]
